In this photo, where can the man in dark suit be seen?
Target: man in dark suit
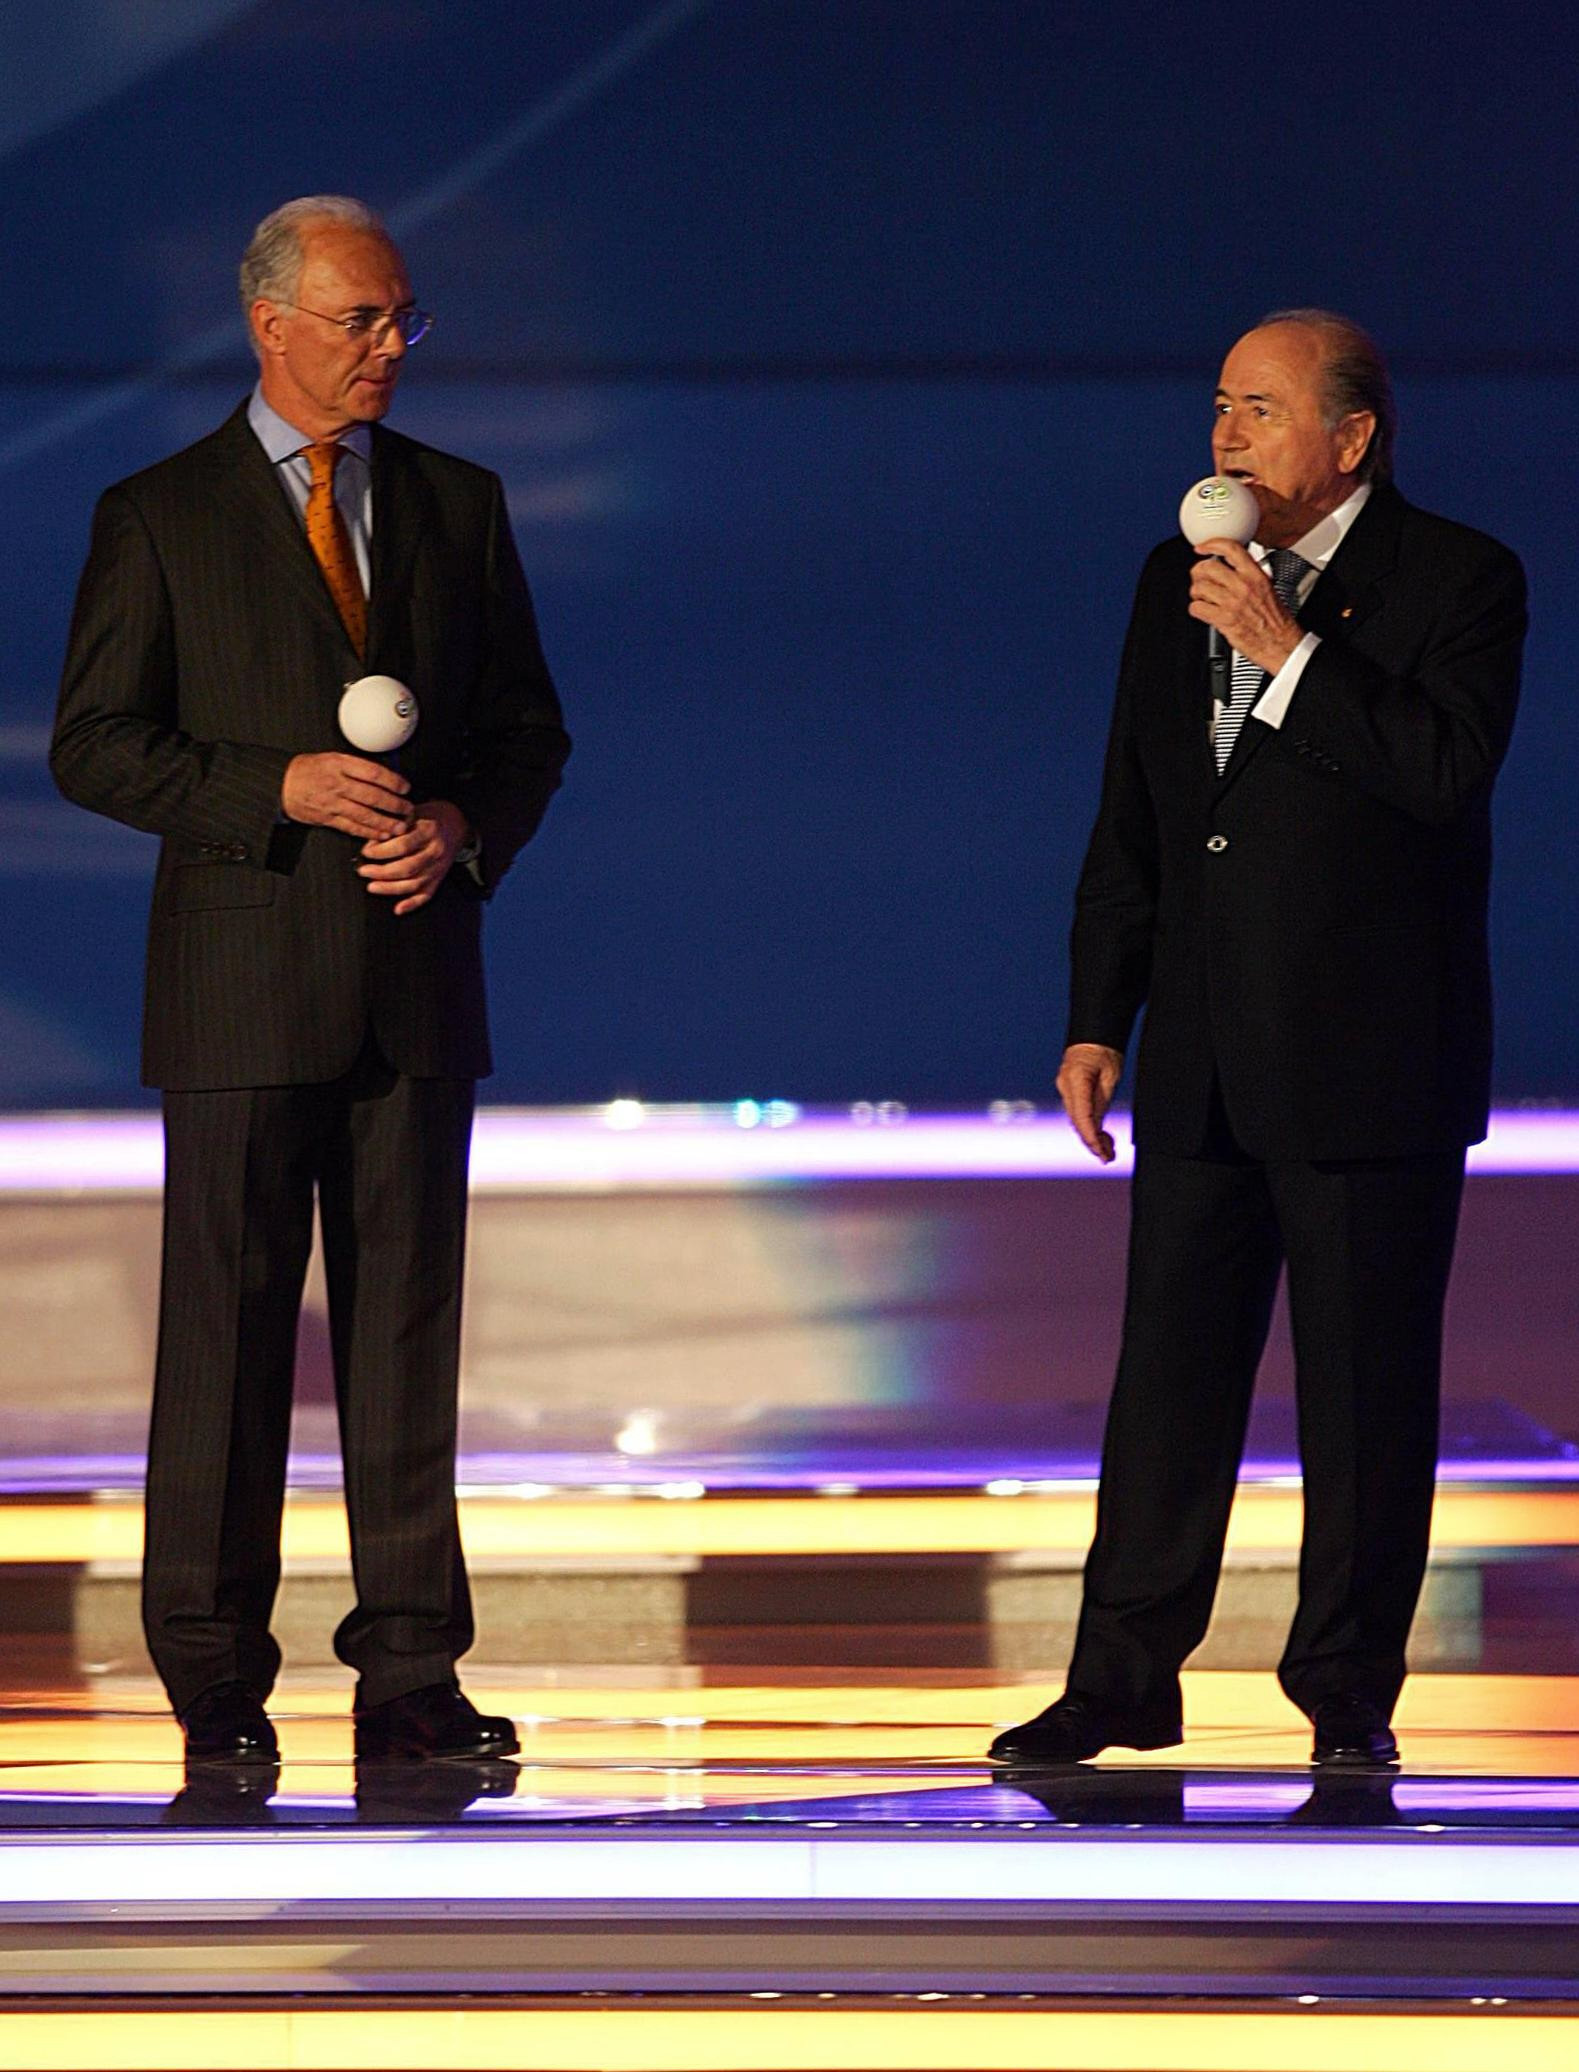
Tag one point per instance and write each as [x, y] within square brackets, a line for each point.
[1291, 877]
[315, 1010]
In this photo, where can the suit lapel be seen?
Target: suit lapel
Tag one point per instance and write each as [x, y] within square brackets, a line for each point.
[1352, 584]
[399, 503]
[245, 482]
[1252, 739]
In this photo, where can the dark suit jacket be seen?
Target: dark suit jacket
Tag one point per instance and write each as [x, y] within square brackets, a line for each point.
[1310, 927]
[205, 652]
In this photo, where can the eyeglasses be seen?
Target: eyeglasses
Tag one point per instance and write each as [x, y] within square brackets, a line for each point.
[375, 325]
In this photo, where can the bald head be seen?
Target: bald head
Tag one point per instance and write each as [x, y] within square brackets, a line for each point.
[1280, 428]
[1354, 380]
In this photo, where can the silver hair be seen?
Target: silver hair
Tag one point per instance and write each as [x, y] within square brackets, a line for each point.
[1355, 378]
[271, 266]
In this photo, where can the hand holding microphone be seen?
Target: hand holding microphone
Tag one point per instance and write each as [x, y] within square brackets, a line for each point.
[1228, 590]
[359, 797]
[379, 715]
[1218, 509]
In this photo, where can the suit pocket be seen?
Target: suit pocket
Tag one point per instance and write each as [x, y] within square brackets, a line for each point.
[206, 888]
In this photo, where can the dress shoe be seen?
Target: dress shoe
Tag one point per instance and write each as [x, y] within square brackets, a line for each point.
[227, 1724]
[436, 1723]
[1352, 1734]
[1073, 1729]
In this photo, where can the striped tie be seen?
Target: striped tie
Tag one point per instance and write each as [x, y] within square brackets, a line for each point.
[1287, 570]
[331, 545]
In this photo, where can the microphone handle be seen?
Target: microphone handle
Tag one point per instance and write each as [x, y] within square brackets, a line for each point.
[1218, 661]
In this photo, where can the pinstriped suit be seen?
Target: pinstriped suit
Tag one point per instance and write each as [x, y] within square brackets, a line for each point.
[304, 1035]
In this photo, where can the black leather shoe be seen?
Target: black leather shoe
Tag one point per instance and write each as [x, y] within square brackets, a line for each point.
[436, 1723]
[1352, 1734]
[227, 1724]
[1073, 1729]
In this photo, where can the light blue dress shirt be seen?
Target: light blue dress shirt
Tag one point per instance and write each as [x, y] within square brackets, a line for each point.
[353, 478]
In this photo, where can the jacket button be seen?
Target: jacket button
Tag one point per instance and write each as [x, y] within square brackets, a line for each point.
[1217, 844]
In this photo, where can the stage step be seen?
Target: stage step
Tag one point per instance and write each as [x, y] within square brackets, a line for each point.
[983, 1581]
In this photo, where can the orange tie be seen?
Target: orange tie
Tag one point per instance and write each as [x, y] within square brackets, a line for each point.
[331, 545]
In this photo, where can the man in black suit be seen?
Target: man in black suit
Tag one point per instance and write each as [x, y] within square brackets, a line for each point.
[1291, 877]
[315, 1010]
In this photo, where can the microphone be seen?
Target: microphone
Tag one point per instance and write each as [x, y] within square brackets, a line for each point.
[378, 714]
[1219, 508]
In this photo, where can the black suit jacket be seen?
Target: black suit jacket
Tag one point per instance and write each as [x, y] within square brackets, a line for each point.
[1311, 926]
[205, 652]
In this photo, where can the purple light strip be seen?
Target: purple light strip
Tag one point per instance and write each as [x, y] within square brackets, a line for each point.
[596, 1150]
[81, 1154]
[48, 1474]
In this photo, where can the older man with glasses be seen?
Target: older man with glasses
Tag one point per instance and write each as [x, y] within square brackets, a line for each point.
[315, 1011]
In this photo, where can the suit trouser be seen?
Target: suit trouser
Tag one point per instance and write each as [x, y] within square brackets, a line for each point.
[1368, 1246]
[387, 1156]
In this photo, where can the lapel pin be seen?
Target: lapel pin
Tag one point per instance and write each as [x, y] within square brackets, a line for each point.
[1347, 612]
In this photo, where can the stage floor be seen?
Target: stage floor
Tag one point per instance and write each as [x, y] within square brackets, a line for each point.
[707, 1858]
[793, 1834]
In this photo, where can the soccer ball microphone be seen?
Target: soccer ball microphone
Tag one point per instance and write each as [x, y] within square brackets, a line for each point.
[1219, 508]
[378, 714]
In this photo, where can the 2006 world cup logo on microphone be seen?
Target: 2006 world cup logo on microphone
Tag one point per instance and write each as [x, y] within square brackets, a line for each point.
[1220, 507]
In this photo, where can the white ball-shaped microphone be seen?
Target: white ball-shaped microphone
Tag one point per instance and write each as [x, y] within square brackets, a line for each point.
[1219, 508]
[378, 714]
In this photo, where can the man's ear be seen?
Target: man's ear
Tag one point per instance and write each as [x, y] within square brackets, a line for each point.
[268, 327]
[1355, 434]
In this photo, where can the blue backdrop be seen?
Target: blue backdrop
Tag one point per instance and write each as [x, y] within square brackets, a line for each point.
[842, 358]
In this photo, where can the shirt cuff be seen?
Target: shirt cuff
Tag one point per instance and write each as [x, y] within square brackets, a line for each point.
[1272, 704]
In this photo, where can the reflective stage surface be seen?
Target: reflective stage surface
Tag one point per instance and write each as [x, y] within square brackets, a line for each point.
[778, 1548]
[689, 1868]
[794, 1834]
